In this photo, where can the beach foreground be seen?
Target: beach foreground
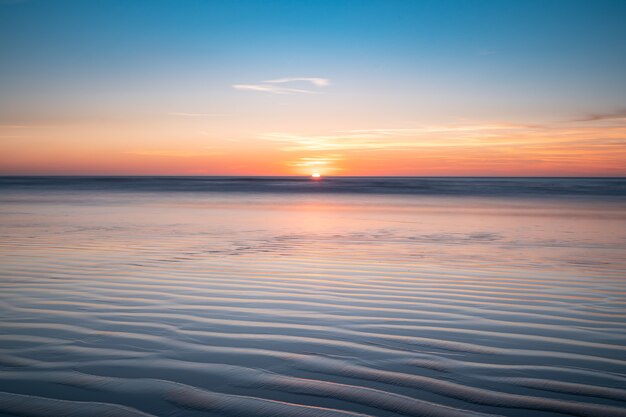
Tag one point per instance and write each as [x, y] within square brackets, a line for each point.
[135, 302]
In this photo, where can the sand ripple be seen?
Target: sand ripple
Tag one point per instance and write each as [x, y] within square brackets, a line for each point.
[158, 320]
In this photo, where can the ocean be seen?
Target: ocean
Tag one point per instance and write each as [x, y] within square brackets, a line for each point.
[288, 296]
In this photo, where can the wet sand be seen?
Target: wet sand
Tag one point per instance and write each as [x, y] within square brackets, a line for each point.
[241, 304]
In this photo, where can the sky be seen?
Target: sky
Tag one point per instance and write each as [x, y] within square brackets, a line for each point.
[388, 87]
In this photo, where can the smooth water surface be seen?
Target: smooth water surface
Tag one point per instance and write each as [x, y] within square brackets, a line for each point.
[135, 300]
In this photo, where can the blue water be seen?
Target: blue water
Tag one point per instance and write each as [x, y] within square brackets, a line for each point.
[443, 186]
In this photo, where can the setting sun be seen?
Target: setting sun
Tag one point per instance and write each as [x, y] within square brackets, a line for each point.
[316, 175]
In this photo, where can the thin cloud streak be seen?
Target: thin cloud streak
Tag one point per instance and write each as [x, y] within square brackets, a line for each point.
[319, 82]
[270, 89]
[563, 138]
[315, 161]
[276, 87]
[594, 117]
[318, 163]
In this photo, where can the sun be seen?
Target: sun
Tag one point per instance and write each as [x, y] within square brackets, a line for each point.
[316, 175]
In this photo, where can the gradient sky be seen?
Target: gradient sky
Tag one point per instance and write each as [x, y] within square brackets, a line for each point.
[292, 87]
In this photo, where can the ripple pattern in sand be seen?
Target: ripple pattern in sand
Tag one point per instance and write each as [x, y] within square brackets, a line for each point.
[99, 324]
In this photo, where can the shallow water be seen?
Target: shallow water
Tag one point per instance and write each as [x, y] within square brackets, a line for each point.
[180, 302]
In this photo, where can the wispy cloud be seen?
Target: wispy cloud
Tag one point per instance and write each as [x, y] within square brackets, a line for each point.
[277, 86]
[266, 88]
[315, 161]
[398, 138]
[318, 82]
[474, 137]
[593, 117]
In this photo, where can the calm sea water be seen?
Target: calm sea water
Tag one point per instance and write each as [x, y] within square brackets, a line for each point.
[444, 186]
[292, 297]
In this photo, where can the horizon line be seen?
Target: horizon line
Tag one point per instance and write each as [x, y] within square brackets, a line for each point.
[301, 176]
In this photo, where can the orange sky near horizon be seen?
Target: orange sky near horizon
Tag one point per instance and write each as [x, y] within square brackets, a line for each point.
[180, 146]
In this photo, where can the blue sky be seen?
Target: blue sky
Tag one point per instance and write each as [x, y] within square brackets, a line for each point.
[388, 63]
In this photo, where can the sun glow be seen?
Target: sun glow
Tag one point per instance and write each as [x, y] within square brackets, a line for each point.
[316, 175]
